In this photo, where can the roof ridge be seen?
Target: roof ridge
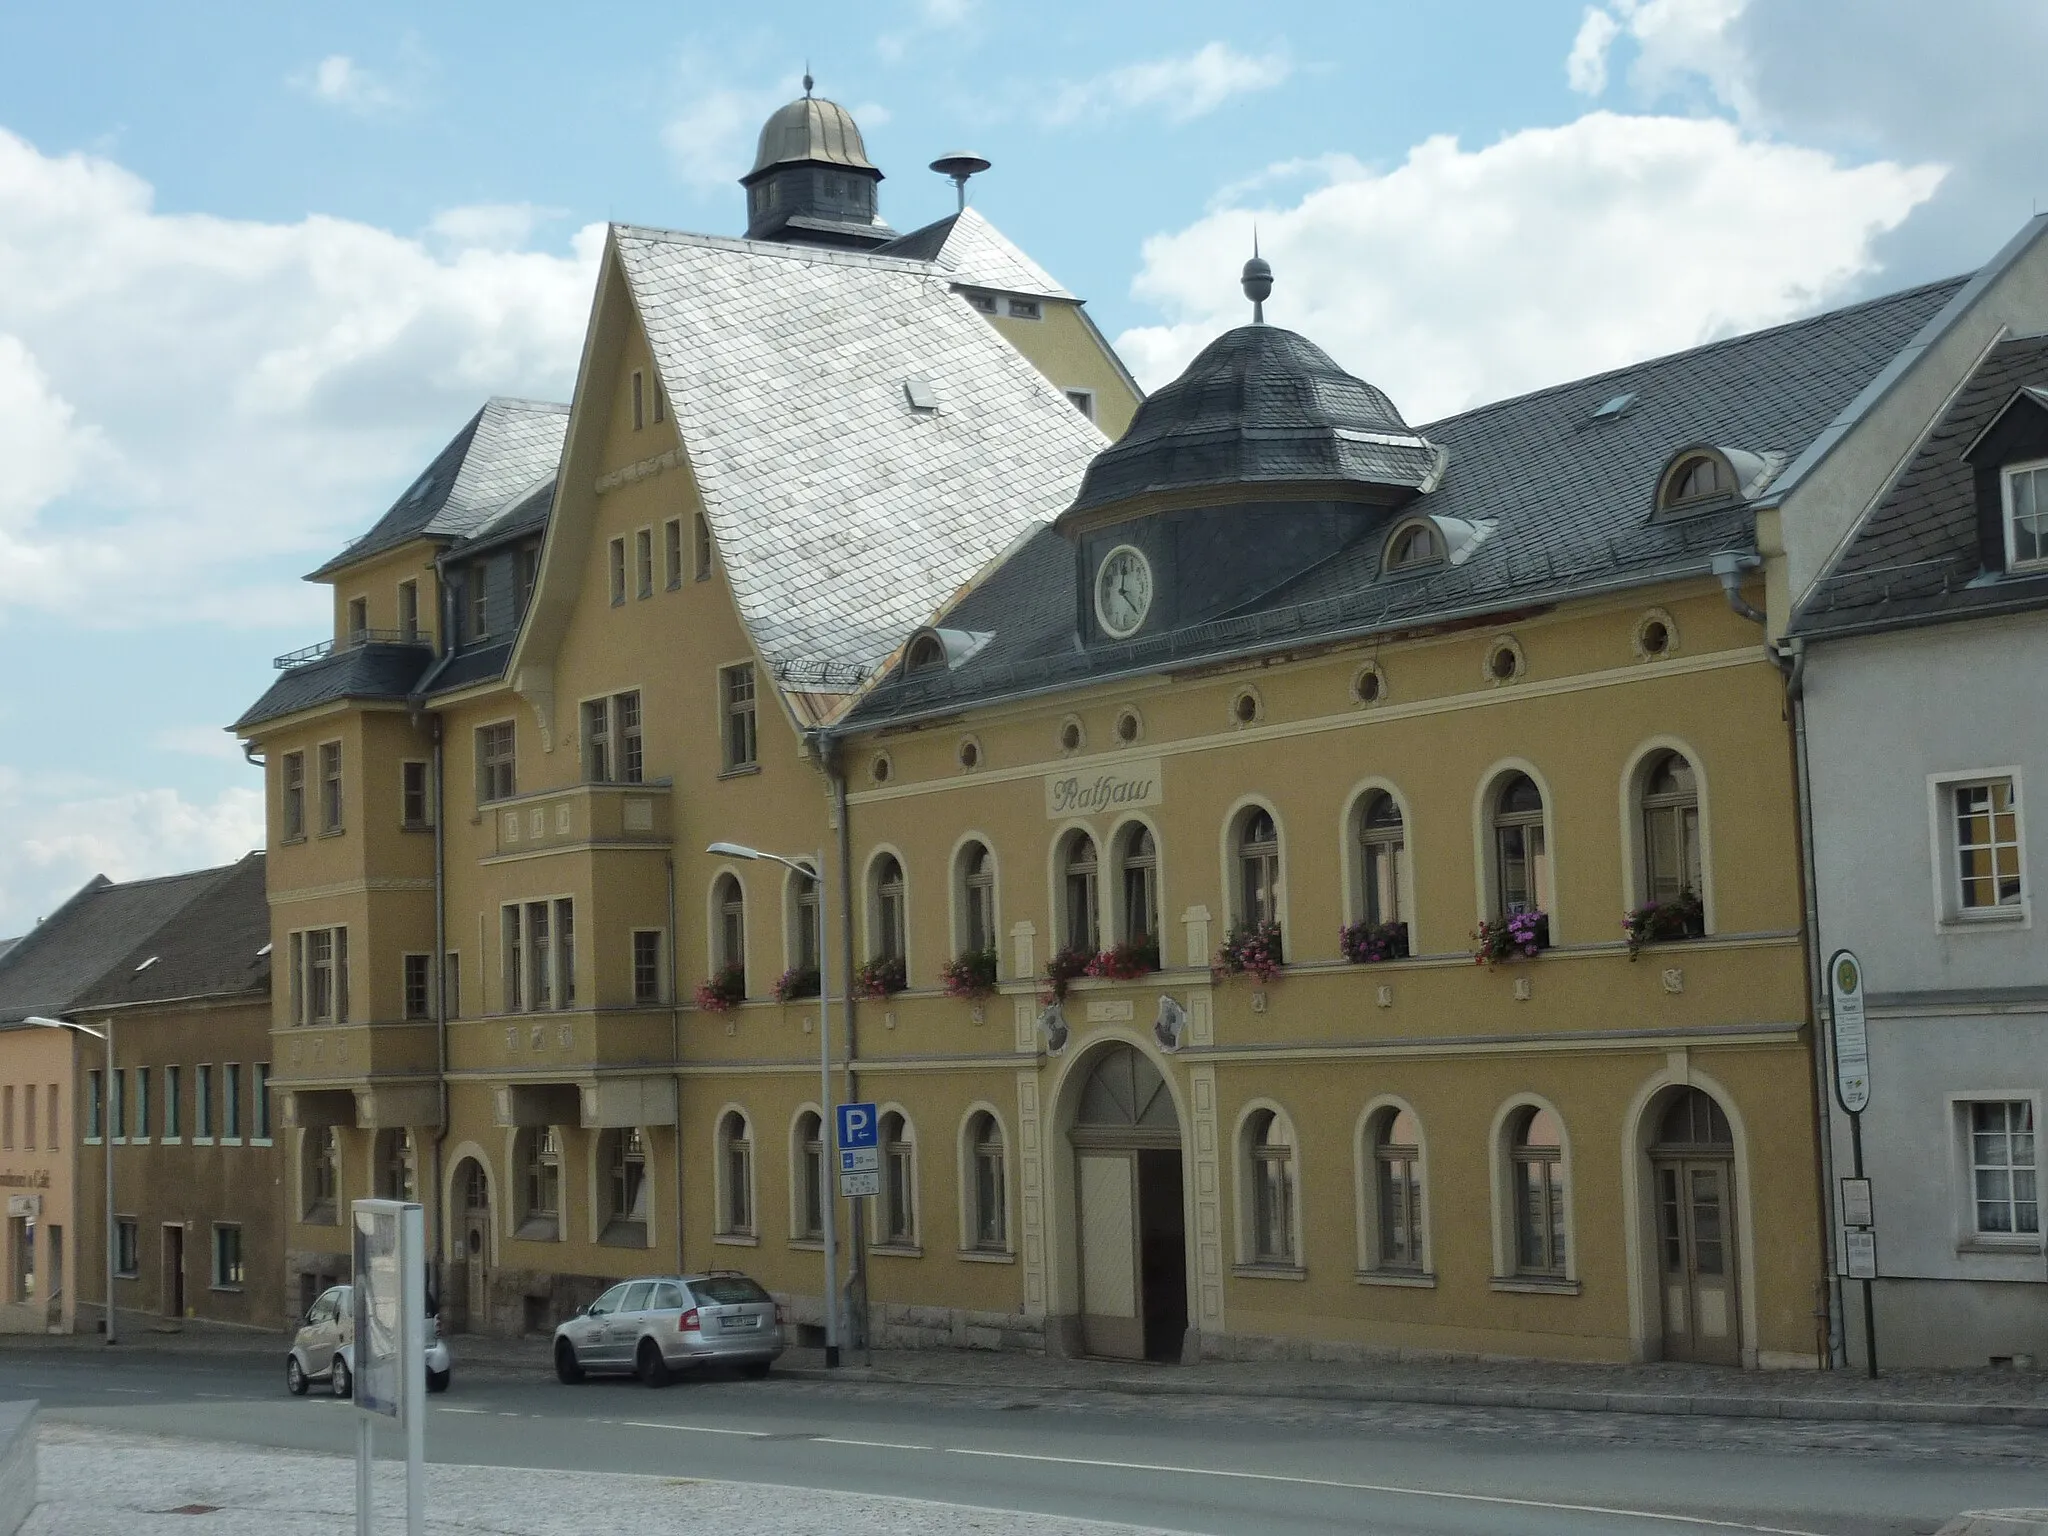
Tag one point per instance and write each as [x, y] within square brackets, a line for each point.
[554, 407]
[1740, 339]
[830, 255]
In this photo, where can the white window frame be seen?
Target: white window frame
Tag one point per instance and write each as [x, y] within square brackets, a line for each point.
[1949, 911]
[879, 1239]
[800, 1234]
[2006, 476]
[1082, 400]
[1962, 1155]
[1507, 1272]
[724, 1231]
[672, 554]
[660, 966]
[615, 570]
[643, 564]
[425, 820]
[1373, 1266]
[730, 761]
[971, 1246]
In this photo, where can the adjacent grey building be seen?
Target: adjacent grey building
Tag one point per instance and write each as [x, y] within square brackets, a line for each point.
[1922, 680]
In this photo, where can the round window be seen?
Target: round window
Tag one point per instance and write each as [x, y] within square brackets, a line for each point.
[970, 754]
[1244, 709]
[1370, 686]
[1070, 736]
[1127, 726]
[880, 768]
[1504, 661]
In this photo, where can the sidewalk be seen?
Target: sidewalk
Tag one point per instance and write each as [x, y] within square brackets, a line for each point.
[1999, 1397]
[98, 1484]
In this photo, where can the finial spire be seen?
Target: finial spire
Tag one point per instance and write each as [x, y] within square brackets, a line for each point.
[1258, 280]
[808, 81]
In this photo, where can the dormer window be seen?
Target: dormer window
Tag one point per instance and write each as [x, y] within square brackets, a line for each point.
[2026, 516]
[926, 652]
[1695, 481]
[1414, 546]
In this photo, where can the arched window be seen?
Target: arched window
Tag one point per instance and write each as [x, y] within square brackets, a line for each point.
[896, 1216]
[1414, 546]
[1080, 892]
[978, 898]
[1382, 859]
[1694, 1122]
[803, 946]
[1520, 852]
[735, 1176]
[1536, 1174]
[541, 1168]
[1394, 1146]
[622, 1154]
[1138, 862]
[887, 930]
[807, 1157]
[1671, 829]
[729, 925]
[1702, 477]
[926, 652]
[988, 1225]
[320, 1174]
[1268, 1167]
[1258, 869]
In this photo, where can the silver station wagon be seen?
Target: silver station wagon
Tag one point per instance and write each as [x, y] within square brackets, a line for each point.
[324, 1348]
[656, 1326]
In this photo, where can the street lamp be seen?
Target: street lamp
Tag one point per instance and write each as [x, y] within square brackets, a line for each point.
[826, 1138]
[106, 1138]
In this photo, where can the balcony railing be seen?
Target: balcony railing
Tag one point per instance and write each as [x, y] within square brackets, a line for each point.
[321, 650]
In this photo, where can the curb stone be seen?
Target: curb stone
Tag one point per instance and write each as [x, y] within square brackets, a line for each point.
[1997, 1522]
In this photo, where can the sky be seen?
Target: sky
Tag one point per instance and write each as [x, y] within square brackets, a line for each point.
[258, 262]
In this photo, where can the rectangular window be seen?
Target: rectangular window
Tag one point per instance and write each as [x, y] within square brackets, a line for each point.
[231, 1100]
[451, 996]
[409, 610]
[358, 619]
[127, 1248]
[119, 1113]
[539, 955]
[565, 951]
[515, 977]
[660, 400]
[1026, 309]
[2003, 1172]
[529, 574]
[227, 1257]
[54, 1123]
[7, 1118]
[597, 741]
[701, 550]
[319, 976]
[496, 778]
[415, 796]
[646, 966]
[330, 786]
[639, 400]
[672, 551]
[617, 551]
[2026, 516]
[985, 302]
[141, 1108]
[92, 1105]
[174, 1119]
[202, 1104]
[737, 689]
[479, 603]
[262, 1106]
[1985, 816]
[28, 1116]
[1082, 400]
[626, 715]
[643, 561]
[292, 774]
[419, 992]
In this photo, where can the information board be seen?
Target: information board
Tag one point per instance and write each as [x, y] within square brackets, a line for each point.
[1851, 1038]
[1859, 1248]
[379, 1310]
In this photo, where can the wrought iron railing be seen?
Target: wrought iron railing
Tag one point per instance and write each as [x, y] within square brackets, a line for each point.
[321, 650]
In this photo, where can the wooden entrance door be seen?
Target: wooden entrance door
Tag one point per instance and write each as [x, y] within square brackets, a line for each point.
[1694, 1168]
[1106, 1190]
[476, 1245]
[1132, 1242]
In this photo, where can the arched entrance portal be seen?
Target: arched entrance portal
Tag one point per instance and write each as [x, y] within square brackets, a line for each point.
[1131, 1229]
[473, 1234]
[1693, 1163]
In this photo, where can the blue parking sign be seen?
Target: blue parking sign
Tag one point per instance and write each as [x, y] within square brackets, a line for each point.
[857, 1126]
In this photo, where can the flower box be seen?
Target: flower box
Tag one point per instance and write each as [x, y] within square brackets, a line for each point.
[1126, 961]
[725, 991]
[799, 981]
[884, 976]
[1253, 949]
[1366, 943]
[1664, 922]
[970, 974]
[1520, 936]
[1063, 967]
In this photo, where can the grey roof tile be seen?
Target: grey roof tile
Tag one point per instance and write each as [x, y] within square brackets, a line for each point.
[973, 251]
[377, 671]
[216, 945]
[70, 951]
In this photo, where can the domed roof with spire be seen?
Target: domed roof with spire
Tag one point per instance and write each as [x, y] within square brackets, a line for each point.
[812, 182]
[813, 131]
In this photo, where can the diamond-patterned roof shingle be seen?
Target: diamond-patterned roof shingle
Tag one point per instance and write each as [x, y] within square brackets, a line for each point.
[971, 250]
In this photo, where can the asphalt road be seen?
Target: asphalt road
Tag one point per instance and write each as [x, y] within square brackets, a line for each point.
[1207, 1466]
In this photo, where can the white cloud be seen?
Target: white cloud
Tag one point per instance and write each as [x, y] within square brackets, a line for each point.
[339, 81]
[207, 741]
[711, 139]
[1585, 68]
[193, 409]
[1184, 87]
[489, 226]
[1465, 275]
[64, 832]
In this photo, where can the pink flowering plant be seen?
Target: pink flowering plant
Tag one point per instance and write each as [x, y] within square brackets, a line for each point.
[1062, 968]
[725, 991]
[1126, 961]
[1660, 922]
[1519, 936]
[1365, 942]
[1253, 949]
[883, 976]
[799, 981]
[971, 974]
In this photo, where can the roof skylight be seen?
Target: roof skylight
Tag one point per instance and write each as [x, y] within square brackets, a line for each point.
[1615, 405]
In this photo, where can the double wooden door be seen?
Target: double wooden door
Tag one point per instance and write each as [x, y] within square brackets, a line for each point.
[1697, 1260]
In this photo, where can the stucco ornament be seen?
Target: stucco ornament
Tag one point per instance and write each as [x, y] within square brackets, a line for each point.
[1052, 1023]
[1170, 1028]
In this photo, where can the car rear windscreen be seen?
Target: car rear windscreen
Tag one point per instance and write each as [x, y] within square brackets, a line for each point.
[728, 1290]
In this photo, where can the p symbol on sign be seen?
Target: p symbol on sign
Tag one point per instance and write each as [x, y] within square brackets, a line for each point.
[857, 1125]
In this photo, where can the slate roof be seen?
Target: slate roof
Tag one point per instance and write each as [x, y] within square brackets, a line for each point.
[971, 250]
[1262, 406]
[375, 671]
[1563, 498]
[501, 451]
[1916, 557]
[73, 949]
[216, 945]
[844, 517]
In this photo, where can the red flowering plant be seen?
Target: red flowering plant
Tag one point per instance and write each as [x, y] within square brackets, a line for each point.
[1519, 936]
[883, 976]
[1365, 942]
[1253, 949]
[725, 991]
[1126, 961]
[970, 974]
[1062, 968]
[799, 981]
[1659, 922]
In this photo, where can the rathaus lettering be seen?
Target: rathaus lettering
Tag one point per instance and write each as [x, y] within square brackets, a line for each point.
[1089, 794]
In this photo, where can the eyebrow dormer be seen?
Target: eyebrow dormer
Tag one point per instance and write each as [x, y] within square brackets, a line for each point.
[1705, 478]
[1424, 543]
[931, 649]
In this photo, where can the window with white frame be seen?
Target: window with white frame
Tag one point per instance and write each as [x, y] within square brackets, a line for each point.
[231, 1101]
[2004, 1189]
[643, 563]
[736, 689]
[1394, 1167]
[616, 552]
[646, 966]
[623, 1153]
[735, 1176]
[977, 899]
[330, 786]
[1266, 1164]
[1080, 894]
[415, 796]
[612, 741]
[1981, 846]
[1670, 808]
[1536, 1181]
[540, 1159]
[1258, 869]
[1137, 861]
[887, 930]
[227, 1256]
[1382, 858]
[292, 796]
[2026, 516]
[538, 940]
[896, 1212]
[1521, 855]
[803, 945]
[202, 1102]
[418, 985]
[319, 976]
[174, 1122]
[496, 762]
[672, 552]
[988, 1225]
[729, 926]
[807, 1158]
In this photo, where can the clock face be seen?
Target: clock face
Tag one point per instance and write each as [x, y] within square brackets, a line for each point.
[1123, 591]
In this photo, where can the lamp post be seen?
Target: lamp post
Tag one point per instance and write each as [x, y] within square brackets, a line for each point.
[826, 1138]
[106, 1138]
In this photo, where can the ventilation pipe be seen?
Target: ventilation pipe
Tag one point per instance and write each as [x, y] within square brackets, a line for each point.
[1728, 570]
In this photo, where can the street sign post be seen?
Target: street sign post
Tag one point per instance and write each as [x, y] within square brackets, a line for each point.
[860, 1151]
[389, 1344]
[1850, 1038]
[859, 1126]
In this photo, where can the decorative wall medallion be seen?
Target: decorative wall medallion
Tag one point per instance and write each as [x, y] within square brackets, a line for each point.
[1170, 1028]
[1384, 997]
[1523, 991]
[1674, 980]
[1258, 1002]
[976, 1015]
[1052, 1023]
[1106, 1011]
[511, 1037]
